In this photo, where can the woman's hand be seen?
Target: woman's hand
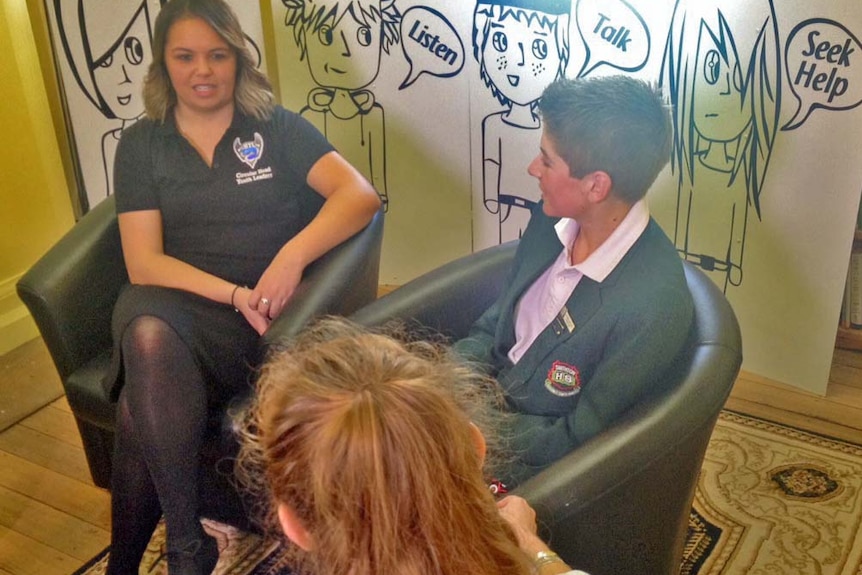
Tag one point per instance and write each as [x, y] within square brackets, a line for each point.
[350, 203]
[239, 299]
[521, 517]
[276, 285]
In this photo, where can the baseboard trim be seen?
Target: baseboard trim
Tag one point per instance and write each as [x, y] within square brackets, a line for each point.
[16, 328]
[16, 325]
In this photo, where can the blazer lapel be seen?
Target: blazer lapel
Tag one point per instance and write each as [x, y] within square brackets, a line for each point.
[580, 309]
[584, 302]
[533, 263]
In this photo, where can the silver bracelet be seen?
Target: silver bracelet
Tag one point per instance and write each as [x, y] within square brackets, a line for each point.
[546, 557]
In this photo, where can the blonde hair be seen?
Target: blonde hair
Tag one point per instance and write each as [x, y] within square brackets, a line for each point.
[368, 440]
[253, 92]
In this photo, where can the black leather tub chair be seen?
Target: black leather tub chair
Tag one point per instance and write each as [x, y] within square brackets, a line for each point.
[70, 293]
[620, 503]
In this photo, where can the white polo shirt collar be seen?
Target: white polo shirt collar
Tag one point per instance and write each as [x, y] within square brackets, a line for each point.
[605, 258]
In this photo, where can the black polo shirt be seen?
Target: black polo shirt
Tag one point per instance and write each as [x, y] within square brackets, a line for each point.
[232, 218]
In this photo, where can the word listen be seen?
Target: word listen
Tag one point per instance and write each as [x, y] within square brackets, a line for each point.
[827, 82]
[432, 43]
[618, 37]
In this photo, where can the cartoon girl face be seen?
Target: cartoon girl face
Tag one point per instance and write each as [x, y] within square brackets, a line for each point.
[719, 111]
[119, 74]
[345, 52]
[521, 56]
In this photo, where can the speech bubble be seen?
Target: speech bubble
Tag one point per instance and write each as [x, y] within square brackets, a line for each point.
[614, 34]
[430, 44]
[824, 68]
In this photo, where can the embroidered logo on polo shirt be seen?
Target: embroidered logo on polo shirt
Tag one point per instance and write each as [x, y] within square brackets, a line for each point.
[563, 380]
[249, 152]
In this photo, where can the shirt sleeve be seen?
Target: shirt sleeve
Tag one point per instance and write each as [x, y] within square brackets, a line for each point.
[302, 144]
[133, 174]
[477, 346]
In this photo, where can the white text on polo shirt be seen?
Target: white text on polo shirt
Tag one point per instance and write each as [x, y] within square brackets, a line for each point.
[254, 175]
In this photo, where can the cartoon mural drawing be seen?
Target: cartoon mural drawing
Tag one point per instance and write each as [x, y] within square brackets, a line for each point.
[723, 73]
[431, 45]
[819, 58]
[343, 42]
[521, 47]
[614, 34]
[108, 52]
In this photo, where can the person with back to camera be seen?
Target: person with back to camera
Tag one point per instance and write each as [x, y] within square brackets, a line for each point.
[223, 199]
[364, 451]
[597, 306]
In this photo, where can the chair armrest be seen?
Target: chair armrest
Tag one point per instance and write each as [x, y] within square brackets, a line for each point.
[622, 499]
[338, 283]
[70, 291]
[686, 403]
[606, 462]
[447, 299]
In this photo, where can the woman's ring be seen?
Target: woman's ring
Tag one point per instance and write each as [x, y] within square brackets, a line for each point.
[264, 301]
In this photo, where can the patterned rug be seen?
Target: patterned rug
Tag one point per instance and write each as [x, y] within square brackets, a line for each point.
[240, 553]
[775, 500]
[771, 500]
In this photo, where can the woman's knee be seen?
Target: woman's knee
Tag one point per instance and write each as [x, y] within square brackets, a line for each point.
[149, 338]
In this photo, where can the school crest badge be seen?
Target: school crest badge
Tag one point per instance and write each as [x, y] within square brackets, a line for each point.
[563, 380]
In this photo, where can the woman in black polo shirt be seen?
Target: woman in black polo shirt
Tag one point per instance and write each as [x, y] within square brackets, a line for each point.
[223, 199]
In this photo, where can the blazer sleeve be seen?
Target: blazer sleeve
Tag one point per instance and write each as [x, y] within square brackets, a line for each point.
[478, 346]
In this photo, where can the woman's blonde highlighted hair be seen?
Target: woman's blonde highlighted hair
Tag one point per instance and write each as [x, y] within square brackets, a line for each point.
[253, 92]
[368, 439]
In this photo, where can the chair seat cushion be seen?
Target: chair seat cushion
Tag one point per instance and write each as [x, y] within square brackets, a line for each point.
[86, 394]
[89, 400]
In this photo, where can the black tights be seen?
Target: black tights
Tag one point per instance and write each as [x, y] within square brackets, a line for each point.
[161, 421]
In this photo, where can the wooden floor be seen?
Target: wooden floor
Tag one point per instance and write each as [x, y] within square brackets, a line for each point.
[838, 415]
[52, 518]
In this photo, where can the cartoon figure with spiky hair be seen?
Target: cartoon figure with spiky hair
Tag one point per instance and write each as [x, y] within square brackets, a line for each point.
[108, 52]
[521, 47]
[343, 41]
[724, 79]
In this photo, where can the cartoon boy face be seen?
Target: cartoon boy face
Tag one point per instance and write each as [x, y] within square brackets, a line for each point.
[119, 74]
[521, 56]
[719, 113]
[345, 52]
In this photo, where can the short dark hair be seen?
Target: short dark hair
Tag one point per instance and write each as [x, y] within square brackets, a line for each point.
[615, 124]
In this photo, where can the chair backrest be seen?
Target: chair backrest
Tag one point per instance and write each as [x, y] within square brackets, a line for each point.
[70, 291]
[448, 299]
[620, 503]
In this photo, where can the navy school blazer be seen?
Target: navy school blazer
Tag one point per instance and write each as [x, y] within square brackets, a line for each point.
[584, 370]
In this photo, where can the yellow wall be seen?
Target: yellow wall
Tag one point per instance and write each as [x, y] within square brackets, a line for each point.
[36, 206]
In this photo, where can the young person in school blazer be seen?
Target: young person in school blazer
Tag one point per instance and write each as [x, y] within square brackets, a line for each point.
[596, 307]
